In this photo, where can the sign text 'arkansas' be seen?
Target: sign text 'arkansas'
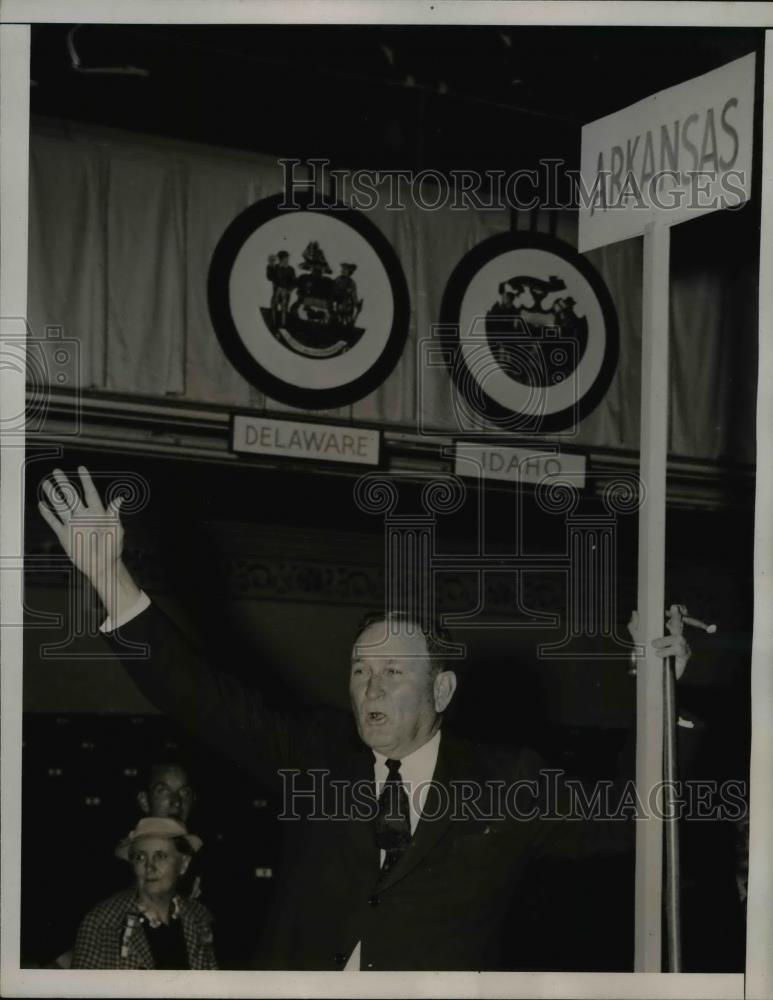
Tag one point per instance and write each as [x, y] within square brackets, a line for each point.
[675, 155]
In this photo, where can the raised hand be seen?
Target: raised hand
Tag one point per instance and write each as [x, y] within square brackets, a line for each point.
[91, 535]
[673, 644]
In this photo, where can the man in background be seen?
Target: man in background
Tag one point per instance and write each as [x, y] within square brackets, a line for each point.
[167, 792]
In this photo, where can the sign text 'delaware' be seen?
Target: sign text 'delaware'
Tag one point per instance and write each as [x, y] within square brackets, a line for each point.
[295, 439]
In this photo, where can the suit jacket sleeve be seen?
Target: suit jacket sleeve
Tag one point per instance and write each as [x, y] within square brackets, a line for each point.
[216, 706]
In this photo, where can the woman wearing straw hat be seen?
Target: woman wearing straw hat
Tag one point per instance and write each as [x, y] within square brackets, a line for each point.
[150, 926]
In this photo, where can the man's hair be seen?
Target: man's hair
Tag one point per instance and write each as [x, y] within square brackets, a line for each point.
[436, 636]
[152, 771]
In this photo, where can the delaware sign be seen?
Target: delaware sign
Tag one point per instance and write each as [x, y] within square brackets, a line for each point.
[296, 439]
[677, 154]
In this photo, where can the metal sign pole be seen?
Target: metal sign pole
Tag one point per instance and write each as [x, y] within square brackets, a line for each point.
[651, 597]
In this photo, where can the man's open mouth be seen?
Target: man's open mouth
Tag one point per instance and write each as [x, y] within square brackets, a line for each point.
[375, 718]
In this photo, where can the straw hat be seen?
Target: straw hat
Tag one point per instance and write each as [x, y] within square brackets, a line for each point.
[157, 826]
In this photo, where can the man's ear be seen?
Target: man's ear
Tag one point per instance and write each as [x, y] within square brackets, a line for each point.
[143, 802]
[444, 687]
[185, 862]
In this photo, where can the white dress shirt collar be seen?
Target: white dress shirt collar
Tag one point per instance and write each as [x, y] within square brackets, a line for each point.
[416, 771]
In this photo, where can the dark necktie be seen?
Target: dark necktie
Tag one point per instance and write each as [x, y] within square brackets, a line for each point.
[393, 822]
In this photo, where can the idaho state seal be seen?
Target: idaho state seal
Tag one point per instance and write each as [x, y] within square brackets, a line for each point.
[530, 333]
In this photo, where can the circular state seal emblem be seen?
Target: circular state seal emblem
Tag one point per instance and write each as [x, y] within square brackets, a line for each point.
[530, 334]
[309, 304]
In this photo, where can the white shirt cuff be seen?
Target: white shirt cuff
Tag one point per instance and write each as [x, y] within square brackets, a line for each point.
[142, 602]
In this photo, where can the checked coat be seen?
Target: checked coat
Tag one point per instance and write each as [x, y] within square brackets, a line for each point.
[111, 936]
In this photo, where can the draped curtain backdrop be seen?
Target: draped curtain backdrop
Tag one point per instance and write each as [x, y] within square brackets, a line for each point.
[122, 230]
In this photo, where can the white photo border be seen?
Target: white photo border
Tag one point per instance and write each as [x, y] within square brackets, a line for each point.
[15, 18]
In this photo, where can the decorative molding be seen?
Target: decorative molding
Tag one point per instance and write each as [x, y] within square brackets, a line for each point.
[348, 584]
[299, 581]
[304, 566]
[146, 426]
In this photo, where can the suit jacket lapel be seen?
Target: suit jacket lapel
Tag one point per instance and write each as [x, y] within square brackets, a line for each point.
[450, 765]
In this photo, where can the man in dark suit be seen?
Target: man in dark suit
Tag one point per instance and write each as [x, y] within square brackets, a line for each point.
[404, 846]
